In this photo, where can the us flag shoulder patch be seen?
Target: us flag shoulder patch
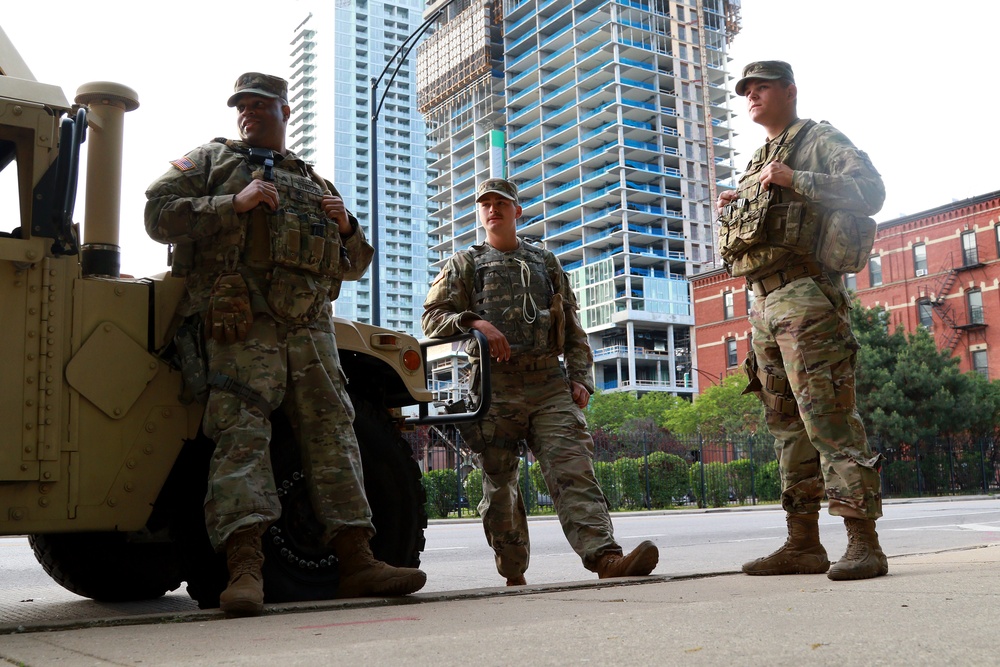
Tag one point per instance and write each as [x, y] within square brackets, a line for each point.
[184, 164]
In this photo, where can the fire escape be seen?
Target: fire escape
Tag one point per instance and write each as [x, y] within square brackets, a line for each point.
[945, 281]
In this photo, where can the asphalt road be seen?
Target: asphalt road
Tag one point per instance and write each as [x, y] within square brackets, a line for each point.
[457, 558]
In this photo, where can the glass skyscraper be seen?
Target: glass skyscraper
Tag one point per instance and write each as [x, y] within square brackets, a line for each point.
[336, 51]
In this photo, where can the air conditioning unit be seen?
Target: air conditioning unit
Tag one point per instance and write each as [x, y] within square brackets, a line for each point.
[921, 272]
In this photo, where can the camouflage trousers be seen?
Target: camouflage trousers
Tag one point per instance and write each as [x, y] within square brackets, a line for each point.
[537, 406]
[241, 487]
[802, 332]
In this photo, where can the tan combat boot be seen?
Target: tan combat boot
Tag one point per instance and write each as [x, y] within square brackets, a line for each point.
[864, 558]
[244, 596]
[638, 563]
[361, 575]
[800, 554]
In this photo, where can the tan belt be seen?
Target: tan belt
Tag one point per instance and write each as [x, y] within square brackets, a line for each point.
[778, 279]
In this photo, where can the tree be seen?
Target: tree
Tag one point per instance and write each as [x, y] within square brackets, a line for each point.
[609, 411]
[720, 411]
[908, 391]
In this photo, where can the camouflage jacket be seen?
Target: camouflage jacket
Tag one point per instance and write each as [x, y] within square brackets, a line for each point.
[450, 308]
[830, 173]
[192, 205]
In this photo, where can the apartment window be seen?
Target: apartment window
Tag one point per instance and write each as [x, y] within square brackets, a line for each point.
[731, 357]
[996, 231]
[727, 306]
[851, 281]
[875, 270]
[749, 299]
[975, 300]
[920, 259]
[926, 312]
[980, 363]
[970, 253]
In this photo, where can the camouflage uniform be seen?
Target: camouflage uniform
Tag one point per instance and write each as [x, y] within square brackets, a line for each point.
[526, 295]
[290, 342]
[804, 353]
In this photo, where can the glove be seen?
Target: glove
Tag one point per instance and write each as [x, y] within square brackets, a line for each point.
[229, 317]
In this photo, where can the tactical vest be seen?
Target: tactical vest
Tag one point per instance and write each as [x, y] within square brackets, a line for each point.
[514, 292]
[778, 217]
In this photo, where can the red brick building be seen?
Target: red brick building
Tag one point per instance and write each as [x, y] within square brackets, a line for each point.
[939, 269]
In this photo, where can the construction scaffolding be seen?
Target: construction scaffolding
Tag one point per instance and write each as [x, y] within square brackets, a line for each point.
[732, 8]
[460, 52]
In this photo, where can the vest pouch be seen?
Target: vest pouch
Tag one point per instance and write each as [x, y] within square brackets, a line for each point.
[332, 264]
[845, 242]
[295, 296]
[314, 232]
[286, 238]
[740, 232]
[792, 226]
[542, 330]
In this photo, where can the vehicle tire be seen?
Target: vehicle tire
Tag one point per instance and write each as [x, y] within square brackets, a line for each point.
[297, 564]
[108, 567]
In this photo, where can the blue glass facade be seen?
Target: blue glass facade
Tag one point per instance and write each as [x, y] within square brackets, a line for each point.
[336, 51]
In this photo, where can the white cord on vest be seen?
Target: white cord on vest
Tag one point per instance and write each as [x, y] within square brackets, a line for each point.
[528, 298]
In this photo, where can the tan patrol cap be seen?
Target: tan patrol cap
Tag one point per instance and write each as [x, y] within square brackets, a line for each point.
[255, 83]
[774, 70]
[499, 186]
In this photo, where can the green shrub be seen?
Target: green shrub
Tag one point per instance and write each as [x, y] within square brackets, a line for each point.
[441, 487]
[474, 489]
[630, 483]
[716, 491]
[767, 481]
[668, 478]
[605, 474]
[741, 479]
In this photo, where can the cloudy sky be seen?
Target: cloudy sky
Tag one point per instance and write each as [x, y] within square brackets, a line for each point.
[910, 82]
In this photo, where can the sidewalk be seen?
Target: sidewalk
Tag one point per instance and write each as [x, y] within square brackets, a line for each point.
[931, 609]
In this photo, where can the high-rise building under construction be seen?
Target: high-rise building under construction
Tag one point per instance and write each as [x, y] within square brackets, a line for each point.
[612, 117]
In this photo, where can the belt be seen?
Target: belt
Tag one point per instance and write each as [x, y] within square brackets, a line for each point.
[524, 367]
[778, 279]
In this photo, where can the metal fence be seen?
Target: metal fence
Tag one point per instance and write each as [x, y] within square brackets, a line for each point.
[653, 470]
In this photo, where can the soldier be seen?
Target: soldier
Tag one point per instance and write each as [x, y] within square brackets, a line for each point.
[807, 177]
[264, 243]
[518, 296]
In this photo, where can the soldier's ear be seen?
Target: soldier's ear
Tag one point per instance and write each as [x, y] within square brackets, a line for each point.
[286, 112]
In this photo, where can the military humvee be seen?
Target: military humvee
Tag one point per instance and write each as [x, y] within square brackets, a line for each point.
[102, 463]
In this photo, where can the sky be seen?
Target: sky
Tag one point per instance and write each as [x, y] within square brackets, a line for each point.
[911, 83]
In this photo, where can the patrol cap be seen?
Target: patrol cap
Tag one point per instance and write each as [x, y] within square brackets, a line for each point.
[502, 187]
[255, 83]
[774, 70]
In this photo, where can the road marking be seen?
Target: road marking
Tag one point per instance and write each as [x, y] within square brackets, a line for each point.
[977, 527]
[374, 620]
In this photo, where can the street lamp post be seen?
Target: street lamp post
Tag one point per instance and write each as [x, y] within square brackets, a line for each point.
[376, 102]
[711, 378]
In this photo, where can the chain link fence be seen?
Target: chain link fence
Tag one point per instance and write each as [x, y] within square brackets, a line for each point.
[656, 471]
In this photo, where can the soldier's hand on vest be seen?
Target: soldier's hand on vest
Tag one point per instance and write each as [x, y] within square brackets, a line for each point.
[580, 394]
[335, 209]
[229, 316]
[499, 347]
[723, 200]
[257, 192]
[776, 173]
